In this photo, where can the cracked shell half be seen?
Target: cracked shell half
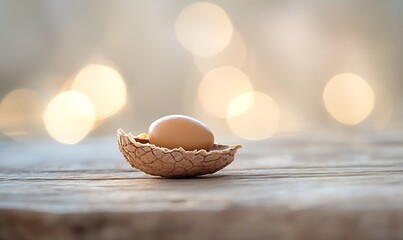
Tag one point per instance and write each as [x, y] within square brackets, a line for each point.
[176, 162]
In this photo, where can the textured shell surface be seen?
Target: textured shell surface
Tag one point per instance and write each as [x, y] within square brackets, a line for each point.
[173, 163]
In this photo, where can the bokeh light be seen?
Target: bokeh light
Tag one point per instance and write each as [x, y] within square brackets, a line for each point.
[69, 117]
[259, 121]
[204, 29]
[104, 86]
[234, 55]
[20, 113]
[348, 98]
[140, 60]
[240, 104]
[219, 87]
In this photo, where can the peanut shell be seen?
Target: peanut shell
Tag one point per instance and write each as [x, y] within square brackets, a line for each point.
[173, 163]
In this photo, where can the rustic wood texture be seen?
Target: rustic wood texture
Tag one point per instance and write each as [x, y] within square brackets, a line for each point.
[302, 187]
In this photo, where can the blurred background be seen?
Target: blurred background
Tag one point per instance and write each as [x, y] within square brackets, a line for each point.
[71, 70]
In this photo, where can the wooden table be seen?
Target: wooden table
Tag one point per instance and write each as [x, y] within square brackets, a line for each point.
[287, 187]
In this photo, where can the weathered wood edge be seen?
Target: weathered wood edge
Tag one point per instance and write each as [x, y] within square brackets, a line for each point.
[237, 223]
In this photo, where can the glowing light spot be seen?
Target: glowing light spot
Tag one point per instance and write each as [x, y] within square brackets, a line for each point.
[204, 29]
[234, 55]
[20, 113]
[240, 104]
[69, 117]
[348, 98]
[219, 87]
[257, 122]
[104, 87]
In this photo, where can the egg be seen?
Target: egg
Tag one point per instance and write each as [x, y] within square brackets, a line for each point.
[175, 131]
[173, 163]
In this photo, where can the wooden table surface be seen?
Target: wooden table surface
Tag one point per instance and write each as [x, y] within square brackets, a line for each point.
[287, 187]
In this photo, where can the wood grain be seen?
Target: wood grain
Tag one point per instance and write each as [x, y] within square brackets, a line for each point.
[305, 187]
